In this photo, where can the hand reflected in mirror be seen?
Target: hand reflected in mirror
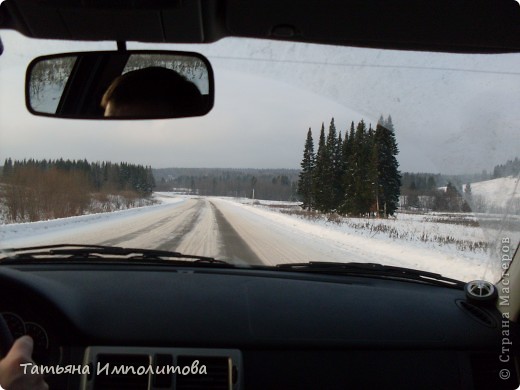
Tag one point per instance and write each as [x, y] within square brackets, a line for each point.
[153, 92]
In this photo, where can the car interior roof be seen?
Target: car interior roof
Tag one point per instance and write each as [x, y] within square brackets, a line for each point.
[465, 26]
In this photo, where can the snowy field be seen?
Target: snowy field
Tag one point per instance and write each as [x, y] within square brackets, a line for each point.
[436, 242]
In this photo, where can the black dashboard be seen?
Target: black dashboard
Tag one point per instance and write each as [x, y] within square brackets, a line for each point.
[253, 329]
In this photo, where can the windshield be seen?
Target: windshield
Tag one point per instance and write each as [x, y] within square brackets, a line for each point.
[311, 153]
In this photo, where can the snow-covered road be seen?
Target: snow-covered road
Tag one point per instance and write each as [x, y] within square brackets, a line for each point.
[181, 224]
[229, 230]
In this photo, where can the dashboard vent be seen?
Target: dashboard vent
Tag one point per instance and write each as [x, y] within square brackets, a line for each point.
[481, 291]
[477, 314]
[118, 381]
[219, 373]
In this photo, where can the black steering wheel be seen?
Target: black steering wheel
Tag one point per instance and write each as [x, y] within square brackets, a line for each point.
[6, 338]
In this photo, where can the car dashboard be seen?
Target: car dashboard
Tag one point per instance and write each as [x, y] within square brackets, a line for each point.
[155, 327]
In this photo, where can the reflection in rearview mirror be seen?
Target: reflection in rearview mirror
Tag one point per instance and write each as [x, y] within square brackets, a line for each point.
[121, 85]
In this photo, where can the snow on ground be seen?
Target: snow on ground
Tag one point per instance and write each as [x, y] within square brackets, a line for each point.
[412, 240]
[400, 243]
[42, 232]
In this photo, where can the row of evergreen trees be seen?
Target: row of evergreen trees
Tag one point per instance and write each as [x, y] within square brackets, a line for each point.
[267, 186]
[510, 168]
[355, 175]
[100, 175]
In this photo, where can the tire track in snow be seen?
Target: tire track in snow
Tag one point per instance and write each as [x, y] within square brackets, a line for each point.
[275, 243]
[165, 233]
[204, 238]
[233, 247]
[189, 220]
[200, 229]
[136, 233]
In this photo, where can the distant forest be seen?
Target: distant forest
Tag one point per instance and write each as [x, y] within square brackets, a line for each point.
[438, 192]
[35, 190]
[98, 175]
[435, 192]
[268, 184]
[510, 168]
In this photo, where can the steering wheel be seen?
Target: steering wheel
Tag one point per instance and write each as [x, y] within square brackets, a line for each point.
[6, 338]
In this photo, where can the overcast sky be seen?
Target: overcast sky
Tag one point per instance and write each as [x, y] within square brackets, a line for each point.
[452, 113]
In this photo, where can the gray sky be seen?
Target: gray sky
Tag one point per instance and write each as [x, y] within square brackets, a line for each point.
[452, 113]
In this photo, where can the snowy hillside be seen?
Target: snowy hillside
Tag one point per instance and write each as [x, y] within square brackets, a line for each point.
[501, 193]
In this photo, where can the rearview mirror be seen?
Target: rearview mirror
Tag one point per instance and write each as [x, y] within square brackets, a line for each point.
[132, 84]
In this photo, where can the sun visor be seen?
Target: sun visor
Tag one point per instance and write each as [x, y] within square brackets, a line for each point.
[108, 20]
[442, 25]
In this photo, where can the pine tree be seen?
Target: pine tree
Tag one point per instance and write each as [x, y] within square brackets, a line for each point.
[321, 186]
[389, 177]
[363, 193]
[331, 169]
[338, 171]
[8, 168]
[305, 182]
[372, 172]
[349, 165]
